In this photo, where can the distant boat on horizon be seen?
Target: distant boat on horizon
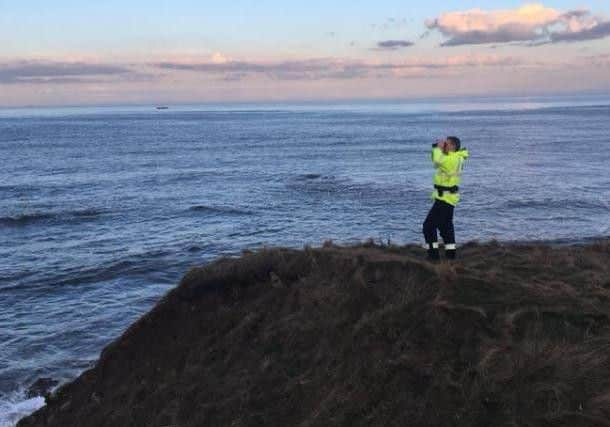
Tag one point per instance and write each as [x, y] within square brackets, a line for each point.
[162, 107]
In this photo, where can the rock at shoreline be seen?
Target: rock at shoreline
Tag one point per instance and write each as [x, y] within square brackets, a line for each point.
[362, 336]
[41, 387]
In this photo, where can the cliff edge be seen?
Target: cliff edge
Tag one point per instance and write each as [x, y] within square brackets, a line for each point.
[362, 336]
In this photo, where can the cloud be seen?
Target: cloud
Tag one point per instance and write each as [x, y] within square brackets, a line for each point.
[333, 69]
[598, 31]
[287, 70]
[600, 61]
[57, 72]
[393, 44]
[533, 23]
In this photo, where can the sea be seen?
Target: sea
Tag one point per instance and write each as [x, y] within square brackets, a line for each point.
[103, 209]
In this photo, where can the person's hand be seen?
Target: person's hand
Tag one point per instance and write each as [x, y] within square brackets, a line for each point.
[441, 144]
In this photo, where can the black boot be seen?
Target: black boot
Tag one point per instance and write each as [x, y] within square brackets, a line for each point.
[433, 254]
[450, 254]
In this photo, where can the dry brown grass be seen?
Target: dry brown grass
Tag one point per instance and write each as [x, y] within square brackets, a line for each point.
[363, 336]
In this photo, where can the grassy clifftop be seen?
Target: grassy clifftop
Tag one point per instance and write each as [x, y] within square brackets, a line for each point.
[362, 336]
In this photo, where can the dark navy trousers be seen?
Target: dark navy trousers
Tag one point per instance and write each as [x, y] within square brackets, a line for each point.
[440, 218]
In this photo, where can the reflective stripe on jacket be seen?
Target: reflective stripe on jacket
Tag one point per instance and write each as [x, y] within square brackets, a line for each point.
[448, 173]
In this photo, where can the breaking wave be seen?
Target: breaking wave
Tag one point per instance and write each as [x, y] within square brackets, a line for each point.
[26, 219]
[17, 406]
[545, 204]
[223, 210]
[341, 186]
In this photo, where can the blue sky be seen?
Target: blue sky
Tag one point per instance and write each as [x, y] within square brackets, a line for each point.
[64, 25]
[343, 36]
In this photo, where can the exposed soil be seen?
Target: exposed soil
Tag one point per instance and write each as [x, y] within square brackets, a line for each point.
[362, 336]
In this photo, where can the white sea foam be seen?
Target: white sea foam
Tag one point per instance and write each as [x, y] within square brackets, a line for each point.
[16, 407]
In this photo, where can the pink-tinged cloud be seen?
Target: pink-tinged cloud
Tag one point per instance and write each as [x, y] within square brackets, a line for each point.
[331, 68]
[218, 66]
[393, 44]
[533, 23]
[37, 72]
[221, 78]
[600, 61]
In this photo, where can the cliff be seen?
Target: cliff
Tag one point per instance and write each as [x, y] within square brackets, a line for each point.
[362, 336]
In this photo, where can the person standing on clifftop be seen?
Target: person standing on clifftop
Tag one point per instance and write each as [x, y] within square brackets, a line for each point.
[448, 158]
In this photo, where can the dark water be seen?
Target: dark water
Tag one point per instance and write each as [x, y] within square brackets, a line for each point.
[102, 210]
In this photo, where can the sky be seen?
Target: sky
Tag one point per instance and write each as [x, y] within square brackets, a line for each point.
[70, 52]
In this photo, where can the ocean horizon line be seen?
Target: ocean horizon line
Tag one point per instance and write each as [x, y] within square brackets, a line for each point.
[409, 106]
[488, 98]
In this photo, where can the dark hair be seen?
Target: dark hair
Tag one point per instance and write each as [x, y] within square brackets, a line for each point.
[455, 141]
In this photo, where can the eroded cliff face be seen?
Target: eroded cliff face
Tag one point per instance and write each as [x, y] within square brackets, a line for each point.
[362, 336]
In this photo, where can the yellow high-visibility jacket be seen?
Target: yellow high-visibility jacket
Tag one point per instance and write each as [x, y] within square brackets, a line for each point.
[448, 173]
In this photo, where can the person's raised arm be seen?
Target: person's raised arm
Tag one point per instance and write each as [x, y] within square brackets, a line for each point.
[438, 155]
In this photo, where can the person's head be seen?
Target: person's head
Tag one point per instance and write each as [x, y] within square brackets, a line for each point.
[453, 143]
